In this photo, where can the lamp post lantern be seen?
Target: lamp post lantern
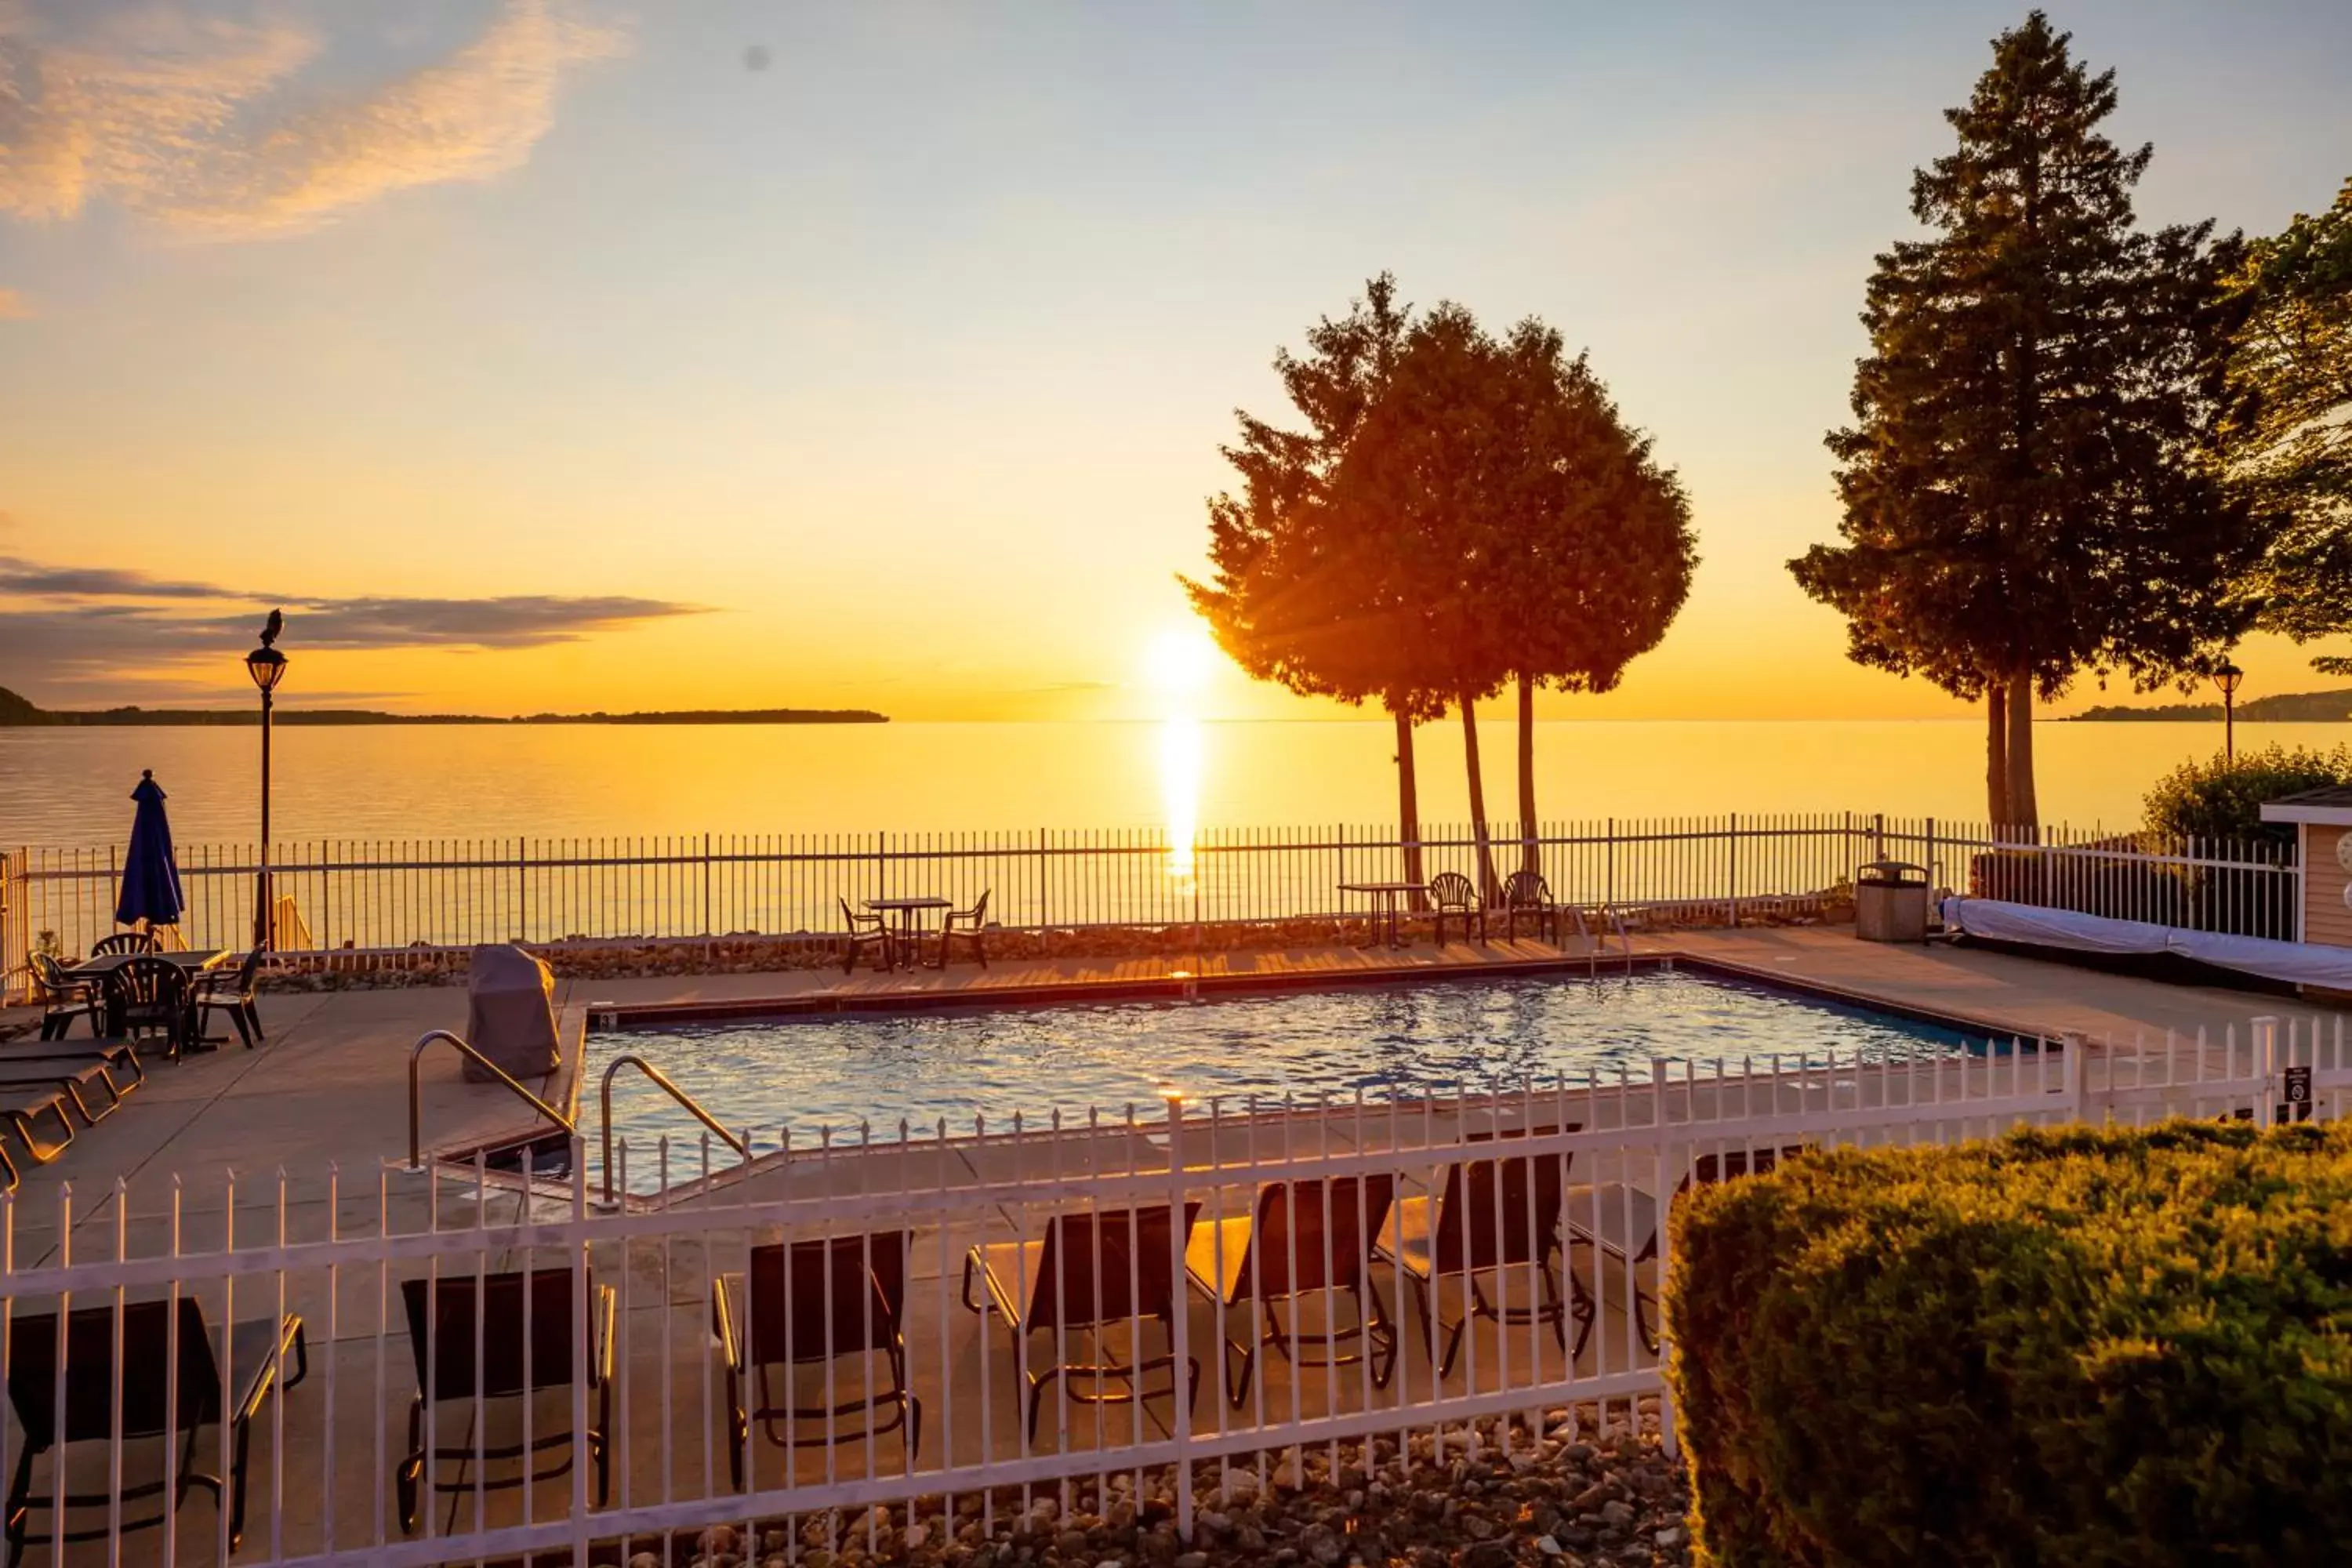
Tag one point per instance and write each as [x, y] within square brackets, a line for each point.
[2227, 679]
[267, 667]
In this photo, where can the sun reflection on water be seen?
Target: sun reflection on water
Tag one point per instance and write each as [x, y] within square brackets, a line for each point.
[1179, 788]
[1179, 663]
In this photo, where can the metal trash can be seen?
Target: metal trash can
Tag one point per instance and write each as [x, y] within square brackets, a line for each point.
[1890, 902]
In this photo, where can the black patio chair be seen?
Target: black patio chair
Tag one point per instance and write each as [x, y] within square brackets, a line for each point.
[861, 932]
[97, 1407]
[1491, 1216]
[233, 991]
[446, 1317]
[1091, 1272]
[64, 999]
[147, 997]
[1306, 1236]
[1525, 895]
[1456, 896]
[125, 941]
[966, 925]
[842, 1296]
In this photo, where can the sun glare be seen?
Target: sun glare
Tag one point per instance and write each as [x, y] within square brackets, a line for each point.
[1179, 661]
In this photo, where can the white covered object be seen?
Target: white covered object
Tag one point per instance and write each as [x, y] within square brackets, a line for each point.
[2300, 962]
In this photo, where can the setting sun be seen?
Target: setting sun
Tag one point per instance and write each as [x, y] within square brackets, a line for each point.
[1179, 661]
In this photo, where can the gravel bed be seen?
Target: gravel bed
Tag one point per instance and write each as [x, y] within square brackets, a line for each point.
[1580, 1493]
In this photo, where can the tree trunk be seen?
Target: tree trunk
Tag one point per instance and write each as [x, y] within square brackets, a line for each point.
[1487, 884]
[1408, 802]
[1996, 755]
[1530, 852]
[2024, 809]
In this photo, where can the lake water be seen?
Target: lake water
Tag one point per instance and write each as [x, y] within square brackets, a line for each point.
[72, 786]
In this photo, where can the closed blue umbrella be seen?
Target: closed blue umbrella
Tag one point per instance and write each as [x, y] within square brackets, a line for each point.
[151, 872]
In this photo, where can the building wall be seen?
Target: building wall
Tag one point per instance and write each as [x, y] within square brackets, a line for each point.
[2326, 917]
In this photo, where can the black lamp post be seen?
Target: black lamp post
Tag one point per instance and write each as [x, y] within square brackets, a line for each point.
[2227, 679]
[267, 667]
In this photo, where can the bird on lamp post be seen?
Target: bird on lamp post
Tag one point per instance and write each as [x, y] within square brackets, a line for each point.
[2227, 679]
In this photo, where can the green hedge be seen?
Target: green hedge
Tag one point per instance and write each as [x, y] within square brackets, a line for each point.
[2075, 1347]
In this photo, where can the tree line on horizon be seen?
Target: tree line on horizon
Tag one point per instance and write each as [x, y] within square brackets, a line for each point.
[2078, 446]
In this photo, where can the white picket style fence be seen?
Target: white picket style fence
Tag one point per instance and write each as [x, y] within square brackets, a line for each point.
[412, 899]
[1587, 1169]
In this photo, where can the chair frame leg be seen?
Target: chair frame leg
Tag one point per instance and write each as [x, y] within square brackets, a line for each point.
[1376, 1327]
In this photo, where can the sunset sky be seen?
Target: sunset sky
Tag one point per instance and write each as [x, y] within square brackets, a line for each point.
[542, 355]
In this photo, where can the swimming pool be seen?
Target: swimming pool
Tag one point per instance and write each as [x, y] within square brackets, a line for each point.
[833, 1070]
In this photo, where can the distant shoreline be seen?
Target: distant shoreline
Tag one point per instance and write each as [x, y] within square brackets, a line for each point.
[16, 713]
[2287, 707]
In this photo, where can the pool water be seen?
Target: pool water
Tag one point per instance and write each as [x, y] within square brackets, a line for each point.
[835, 1070]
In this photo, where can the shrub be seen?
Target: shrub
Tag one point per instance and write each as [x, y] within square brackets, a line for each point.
[2221, 799]
[2082, 1346]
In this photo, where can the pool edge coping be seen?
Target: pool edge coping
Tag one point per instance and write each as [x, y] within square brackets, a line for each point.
[604, 1016]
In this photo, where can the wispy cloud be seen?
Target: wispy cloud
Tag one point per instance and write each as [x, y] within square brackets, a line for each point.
[87, 624]
[209, 122]
[15, 307]
[37, 579]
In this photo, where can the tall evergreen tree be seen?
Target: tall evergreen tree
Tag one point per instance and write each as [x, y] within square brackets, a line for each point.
[2288, 433]
[2028, 488]
[1304, 592]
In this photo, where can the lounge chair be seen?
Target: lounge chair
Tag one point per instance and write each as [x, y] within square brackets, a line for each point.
[1607, 1219]
[1527, 896]
[125, 941]
[25, 1108]
[862, 931]
[94, 1394]
[446, 1317]
[816, 1302]
[965, 925]
[147, 996]
[1090, 1271]
[1456, 896]
[232, 991]
[65, 999]
[1305, 1236]
[87, 1082]
[1492, 1214]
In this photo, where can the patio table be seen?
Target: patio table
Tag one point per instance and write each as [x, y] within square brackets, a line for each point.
[196, 961]
[1384, 899]
[910, 922]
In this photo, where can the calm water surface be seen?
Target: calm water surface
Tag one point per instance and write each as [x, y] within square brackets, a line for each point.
[72, 786]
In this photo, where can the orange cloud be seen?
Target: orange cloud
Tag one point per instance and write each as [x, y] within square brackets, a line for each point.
[204, 123]
[15, 307]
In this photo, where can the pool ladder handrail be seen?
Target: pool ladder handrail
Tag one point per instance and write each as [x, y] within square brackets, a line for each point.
[1624, 937]
[660, 1080]
[1593, 941]
[416, 1091]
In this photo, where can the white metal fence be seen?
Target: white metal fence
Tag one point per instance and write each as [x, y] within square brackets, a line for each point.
[400, 896]
[1536, 1216]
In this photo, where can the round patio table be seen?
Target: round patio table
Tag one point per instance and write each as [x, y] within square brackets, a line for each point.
[1384, 896]
[910, 922]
